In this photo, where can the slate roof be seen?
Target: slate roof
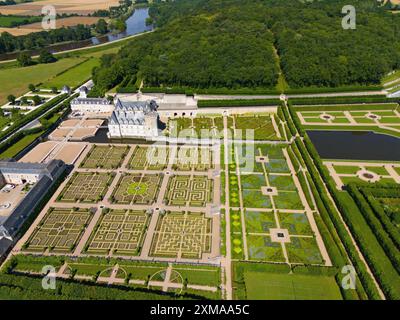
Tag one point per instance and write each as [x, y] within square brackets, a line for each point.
[132, 112]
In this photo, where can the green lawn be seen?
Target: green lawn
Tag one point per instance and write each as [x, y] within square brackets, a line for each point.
[89, 269]
[139, 272]
[197, 275]
[346, 169]
[274, 286]
[74, 76]
[16, 80]
[378, 170]
[20, 145]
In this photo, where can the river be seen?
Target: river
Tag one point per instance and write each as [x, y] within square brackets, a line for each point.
[135, 24]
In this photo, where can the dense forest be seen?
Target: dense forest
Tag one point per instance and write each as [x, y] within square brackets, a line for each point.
[231, 43]
[315, 50]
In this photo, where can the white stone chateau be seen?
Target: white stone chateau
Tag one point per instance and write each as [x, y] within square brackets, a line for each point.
[133, 119]
[90, 105]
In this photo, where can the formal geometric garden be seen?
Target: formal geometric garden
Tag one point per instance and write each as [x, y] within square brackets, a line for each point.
[60, 230]
[202, 127]
[358, 116]
[118, 231]
[149, 158]
[189, 190]
[193, 158]
[182, 235]
[372, 172]
[105, 157]
[265, 197]
[86, 187]
[137, 189]
[261, 124]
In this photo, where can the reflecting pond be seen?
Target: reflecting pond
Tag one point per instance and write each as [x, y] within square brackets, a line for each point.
[355, 145]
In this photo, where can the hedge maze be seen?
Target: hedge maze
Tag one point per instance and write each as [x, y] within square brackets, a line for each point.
[182, 235]
[86, 187]
[105, 157]
[149, 158]
[137, 189]
[118, 231]
[60, 230]
[189, 190]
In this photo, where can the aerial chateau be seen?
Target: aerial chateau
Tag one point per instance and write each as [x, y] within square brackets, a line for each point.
[133, 119]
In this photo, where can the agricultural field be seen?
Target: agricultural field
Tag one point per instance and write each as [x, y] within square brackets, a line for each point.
[182, 235]
[105, 157]
[30, 24]
[11, 21]
[120, 232]
[59, 231]
[86, 187]
[137, 189]
[61, 6]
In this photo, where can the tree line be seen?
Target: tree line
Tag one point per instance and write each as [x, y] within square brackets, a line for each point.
[10, 43]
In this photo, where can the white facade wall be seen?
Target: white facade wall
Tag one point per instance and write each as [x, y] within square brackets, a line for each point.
[92, 108]
[131, 130]
[20, 178]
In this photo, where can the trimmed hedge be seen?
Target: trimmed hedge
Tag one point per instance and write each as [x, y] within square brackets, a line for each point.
[238, 103]
[386, 276]
[362, 272]
[342, 100]
[21, 287]
[222, 91]
[131, 89]
[385, 241]
[336, 89]
[348, 107]
[337, 231]
[380, 213]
